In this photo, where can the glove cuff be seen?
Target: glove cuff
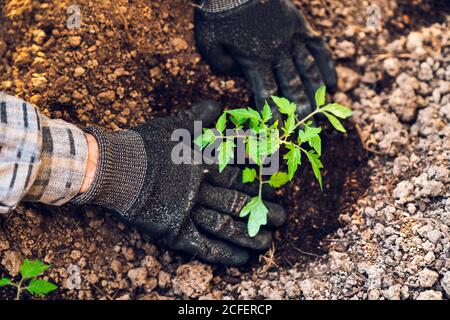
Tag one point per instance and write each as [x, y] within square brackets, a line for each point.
[215, 6]
[121, 170]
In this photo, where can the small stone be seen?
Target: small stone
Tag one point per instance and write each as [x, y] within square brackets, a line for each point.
[339, 261]
[411, 208]
[39, 83]
[138, 276]
[12, 261]
[345, 49]
[429, 257]
[393, 292]
[163, 279]
[179, 44]
[75, 254]
[78, 72]
[403, 192]
[39, 36]
[152, 265]
[427, 278]
[445, 283]
[192, 279]
[116, 266]
[348, 78]
[75, 41]
[391, 66]
[434, 235]
[106, 97]
[414, 41]
[430, 295]
[292, 289]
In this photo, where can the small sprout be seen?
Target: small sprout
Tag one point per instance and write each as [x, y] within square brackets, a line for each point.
[29, 271]
[307, 142]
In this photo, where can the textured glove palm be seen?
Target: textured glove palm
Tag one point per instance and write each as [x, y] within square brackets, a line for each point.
[272, 44]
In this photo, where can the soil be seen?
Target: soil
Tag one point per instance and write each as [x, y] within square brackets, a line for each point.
[139, 61]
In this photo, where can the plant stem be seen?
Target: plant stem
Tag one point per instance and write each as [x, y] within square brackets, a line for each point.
[19, 289]
[299, 123]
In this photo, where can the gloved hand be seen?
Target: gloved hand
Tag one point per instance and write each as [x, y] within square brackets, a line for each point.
[191, 207]
[270, 42]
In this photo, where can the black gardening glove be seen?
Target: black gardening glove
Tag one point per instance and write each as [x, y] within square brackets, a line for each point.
[270, 42]
[190, 206]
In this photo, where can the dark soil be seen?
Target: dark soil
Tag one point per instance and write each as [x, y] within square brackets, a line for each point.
[313, 213]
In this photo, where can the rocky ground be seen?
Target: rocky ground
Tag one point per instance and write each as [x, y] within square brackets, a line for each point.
[390, 239]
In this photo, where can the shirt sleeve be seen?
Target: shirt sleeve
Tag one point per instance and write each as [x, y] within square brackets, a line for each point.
[41, 160]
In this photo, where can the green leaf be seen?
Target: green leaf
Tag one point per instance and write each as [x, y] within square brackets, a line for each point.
[335, 122]
[293, 158]
[289, 124]
[5, 282]
[278, 179]
[248, 175]
[308, 133]
[241, 113]
[320, 96]
[284, 105]
[238, 121]
[338, 110]
[221, 123]
[252, 149]
[316, 165]
[40, 287]
[205, 139]
[30, 269]
[311, 135]
[316, 143]
[258, 215]
[226, 153]
[266, 112]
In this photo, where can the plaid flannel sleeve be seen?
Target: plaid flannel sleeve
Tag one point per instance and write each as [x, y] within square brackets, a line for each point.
[41, 160]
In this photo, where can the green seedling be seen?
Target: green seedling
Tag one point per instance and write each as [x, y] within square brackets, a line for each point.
[295, 138]
[29, 271]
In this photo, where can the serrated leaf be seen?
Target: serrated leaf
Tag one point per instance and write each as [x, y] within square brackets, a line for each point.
[221, 123]
[226, 153]
[335, 122]
[278, 179]
[257, 211]
[320, 96]
[284, 105]
[308, 133]
[5, 282]
[40, 287]
[289, 125]
[247, 113]
[293, 158]
[266, 112]
[205, 139]
[248, 175]
[238, 121]
[316, 165]
[274, 125]
[252, 149]
[338, 110]
[30, 269]
[316, 143]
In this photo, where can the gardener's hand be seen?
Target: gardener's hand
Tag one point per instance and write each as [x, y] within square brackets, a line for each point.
[270, 42]
[192, 208]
